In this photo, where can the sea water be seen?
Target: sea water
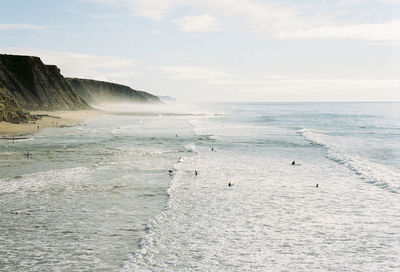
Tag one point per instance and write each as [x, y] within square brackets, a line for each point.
[81, 202]
[99, 198]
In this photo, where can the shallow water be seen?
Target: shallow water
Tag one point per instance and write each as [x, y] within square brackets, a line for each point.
[99, 197]
[81, 203]
[274, 218]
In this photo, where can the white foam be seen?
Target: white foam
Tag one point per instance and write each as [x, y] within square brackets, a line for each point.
[273, 219]
[190, 147]
[40, 180]
[379, 174]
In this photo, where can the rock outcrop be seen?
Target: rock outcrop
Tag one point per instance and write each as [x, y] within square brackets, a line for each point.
[36, 86]
[9, 111]
[98, 92]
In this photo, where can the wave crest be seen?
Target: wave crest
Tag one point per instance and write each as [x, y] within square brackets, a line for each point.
[372, 172]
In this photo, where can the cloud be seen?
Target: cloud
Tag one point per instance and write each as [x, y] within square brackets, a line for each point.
[206, 75]
[188, 72]
[226, 82]
[288, 88]
[383, 32]
[201, 23]
[322, 89]
[390, 1]
[278, 84]
[12, 27]
[301, 84]
[274, 19]
[104, 68]
[152, 9]
[300, 21]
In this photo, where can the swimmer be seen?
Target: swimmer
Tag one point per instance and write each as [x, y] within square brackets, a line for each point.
[293, 162]
[229, 184]
[316, 185]
[195, 172]
[170, 172]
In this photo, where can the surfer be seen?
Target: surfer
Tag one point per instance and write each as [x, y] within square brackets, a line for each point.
[293, 162]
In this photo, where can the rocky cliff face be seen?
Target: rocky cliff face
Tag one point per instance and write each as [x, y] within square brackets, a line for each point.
[36, 86]
[97, 92]
[9, 111]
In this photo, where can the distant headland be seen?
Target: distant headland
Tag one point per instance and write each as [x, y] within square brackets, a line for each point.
[27, 85]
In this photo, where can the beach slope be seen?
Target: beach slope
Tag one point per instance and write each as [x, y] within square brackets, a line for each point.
[48, 119]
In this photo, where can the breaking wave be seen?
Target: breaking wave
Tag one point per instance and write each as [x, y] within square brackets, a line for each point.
[381, 175]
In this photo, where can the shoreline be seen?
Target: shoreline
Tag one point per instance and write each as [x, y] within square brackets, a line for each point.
[48, 119]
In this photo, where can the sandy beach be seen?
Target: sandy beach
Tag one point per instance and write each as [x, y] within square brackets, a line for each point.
[48, 119]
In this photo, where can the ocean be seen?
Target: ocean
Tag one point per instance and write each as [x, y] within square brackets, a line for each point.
[99, 196]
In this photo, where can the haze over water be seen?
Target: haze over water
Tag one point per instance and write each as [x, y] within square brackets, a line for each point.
[98, 197]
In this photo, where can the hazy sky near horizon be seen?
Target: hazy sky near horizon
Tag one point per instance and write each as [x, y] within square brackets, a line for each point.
[217, 50]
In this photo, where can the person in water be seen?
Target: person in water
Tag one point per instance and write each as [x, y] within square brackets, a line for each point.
[195, 172]
[316, 185]
[293, 162]
[229, 184]
[170, 172]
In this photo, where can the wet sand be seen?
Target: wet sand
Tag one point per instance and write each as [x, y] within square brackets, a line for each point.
[49, 119]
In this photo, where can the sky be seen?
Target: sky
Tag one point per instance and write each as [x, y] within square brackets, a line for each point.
[217, 50]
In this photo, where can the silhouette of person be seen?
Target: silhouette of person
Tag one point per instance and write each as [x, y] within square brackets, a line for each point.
[195, 172]
[293, 162]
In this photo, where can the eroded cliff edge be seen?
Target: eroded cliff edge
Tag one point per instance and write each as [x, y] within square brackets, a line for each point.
[36, 86]
[9, 110]
[27, 84]
[97, 92]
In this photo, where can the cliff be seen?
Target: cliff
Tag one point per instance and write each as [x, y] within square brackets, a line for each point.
[97, 92]
[36, 86]
[9, 111]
